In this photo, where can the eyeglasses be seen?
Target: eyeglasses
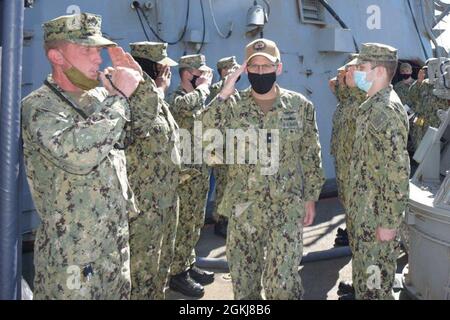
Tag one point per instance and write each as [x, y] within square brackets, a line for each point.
[265, 68]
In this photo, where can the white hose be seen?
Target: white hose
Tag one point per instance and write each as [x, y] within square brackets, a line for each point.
[215, 23]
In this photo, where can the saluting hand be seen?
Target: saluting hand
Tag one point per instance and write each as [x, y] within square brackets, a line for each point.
[164, 78]
[205, 79]
[230, 82]
[120, 58]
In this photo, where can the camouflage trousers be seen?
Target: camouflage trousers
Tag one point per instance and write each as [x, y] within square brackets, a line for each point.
[342, 181]
[191, 220]
[152, 242]
[220, 175]
[264, 249]
[373, 269]
[110, 279]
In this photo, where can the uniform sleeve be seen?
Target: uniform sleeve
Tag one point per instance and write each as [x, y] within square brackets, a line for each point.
[75, 146]
[144, 104]
[391, 169]
[311, 156]
[191, 103]
[341, 92]
[217, 116]
[335, 129]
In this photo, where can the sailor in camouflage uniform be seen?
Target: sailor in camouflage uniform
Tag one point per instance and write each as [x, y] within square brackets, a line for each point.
[154, 178]
[426, 114]
[415, 89]
[224, 67]
[350, 97]
[402, 87]
[72, 138]
[416, 92]
[379, 174]
[267, 209]
[187, 104]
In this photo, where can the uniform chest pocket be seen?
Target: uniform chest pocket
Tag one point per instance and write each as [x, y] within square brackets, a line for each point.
[290, 120]
[290, 124]
[160, 127]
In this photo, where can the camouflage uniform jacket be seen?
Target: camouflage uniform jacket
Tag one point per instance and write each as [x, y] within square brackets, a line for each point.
[415, 94]
[430, 105]
[344, 117]
[351, 99]
[215, 89]
[151, 169]
[379, 171]
[187, 107]
[299, 174]
[402, 90]
[77, 179]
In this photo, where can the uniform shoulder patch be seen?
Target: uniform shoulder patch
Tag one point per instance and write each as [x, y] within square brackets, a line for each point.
[378, 120]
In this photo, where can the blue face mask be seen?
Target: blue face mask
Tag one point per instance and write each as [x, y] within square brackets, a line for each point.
[361, 81]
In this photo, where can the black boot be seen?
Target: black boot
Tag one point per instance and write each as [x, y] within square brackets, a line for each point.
[184, 284]
[341, 231]
[341, 238]
[345, 288]
[201, 276]
[341, 241]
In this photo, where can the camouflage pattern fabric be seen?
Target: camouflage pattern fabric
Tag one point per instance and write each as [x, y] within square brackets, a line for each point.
[256, 203]
[344, 130]
[80, 189]
[215, 89]
[402, 90]
[191, 220]
[414, 94]
[220, 171]
[187, 108]
[194, 61]
[426, 112]
[84, 29]
[344, 127]
[377, 52]
[227, 63]
[264, 230]
[154, 51]
[154, 178]
[220, 175]
[379, 180]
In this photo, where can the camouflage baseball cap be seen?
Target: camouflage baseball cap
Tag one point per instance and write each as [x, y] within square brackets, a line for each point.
[193, 61]
[405, 68]
[83, 28]
[377, 52]
[262, 47]
[154, 51]
[352, 61]
[227, 63]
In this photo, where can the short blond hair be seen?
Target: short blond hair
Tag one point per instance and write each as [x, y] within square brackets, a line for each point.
[390, 66]
[54, 44]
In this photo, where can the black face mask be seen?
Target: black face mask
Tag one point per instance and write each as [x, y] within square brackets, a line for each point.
[194, 80]
[405, 76]
[148, 66]
[262, 83]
